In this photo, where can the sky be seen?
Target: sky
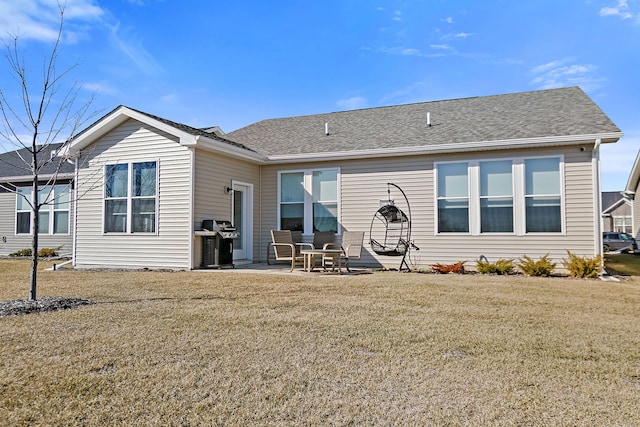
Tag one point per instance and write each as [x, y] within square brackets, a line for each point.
[233, 63]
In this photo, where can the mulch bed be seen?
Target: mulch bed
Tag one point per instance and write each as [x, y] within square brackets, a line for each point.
[23, 306]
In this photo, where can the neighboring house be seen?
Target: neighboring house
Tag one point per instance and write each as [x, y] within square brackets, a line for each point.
[616, 212]
[499, 176]
[632, 192]
[16, 218]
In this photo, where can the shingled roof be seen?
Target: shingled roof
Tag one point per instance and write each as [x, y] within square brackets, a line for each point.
[13, 166]
[518, 116]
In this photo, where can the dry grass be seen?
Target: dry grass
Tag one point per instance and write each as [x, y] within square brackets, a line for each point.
[194, 348]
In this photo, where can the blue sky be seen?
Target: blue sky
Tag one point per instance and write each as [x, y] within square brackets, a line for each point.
[232, 63]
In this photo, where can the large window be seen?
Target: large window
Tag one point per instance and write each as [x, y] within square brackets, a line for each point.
[623, 224]
[542, 194]
[500, 196]
[453, 197]
[496, 197]
[53, 216]
[308, 200]
[130, 194]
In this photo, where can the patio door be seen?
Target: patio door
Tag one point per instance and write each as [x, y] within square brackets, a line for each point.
[242, 220]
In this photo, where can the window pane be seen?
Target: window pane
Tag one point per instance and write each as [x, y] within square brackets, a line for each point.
[325, 186]
[292, 217]
[453, 216]
[542, 176]
[292, 187]
[144, 179]
[496, 215]
[115, 216]
[543, 214]
[62, 196]
[61, 222]
[325, 217]
[43, 222]
[45, 195]
[23, 223]
[23, 195]
[453, 180]
[495, 178]
[116, 180]
[143, 218]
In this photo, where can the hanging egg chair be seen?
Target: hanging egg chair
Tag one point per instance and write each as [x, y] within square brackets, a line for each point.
[390, 231]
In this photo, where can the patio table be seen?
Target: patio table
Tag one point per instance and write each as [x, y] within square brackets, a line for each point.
[309, 257]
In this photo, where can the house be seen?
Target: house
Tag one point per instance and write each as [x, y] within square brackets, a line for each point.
[16, 218]
[631, 193]
[616, 212]
[498, 176]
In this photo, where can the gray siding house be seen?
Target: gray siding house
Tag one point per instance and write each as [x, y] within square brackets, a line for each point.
[56, 218]
[632, 193]
[499, 176]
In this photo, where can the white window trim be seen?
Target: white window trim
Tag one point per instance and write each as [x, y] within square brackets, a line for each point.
[519, 203]
[308, 197]
[130, 198]
[49, 207]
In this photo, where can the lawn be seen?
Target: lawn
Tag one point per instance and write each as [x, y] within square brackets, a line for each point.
[203, 348]
[626, 264]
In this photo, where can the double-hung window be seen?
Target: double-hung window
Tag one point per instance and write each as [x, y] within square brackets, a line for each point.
[453, 197]
[518, 196]
[130, 198]
[496, 197]
[53, 214]
[542, 195]
[308, 200]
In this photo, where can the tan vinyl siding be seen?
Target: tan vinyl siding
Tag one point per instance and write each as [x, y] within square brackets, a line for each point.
[214, 172]
[364, 183]
[15, 242]
[169, 247]
[635, 212]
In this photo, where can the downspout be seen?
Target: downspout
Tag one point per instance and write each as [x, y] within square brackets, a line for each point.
[75, 212]
[597, 202]
[192, 236]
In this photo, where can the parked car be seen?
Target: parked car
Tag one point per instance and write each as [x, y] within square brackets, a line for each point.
[614, 241]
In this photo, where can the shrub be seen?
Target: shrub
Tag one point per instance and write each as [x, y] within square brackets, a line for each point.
[540, 268]
[48, 252]
[43, 253]
[457, 268]
[22, 252]
[583, 267]
[501, 266]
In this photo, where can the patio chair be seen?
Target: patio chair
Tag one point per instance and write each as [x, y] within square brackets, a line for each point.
[351, 247]
[284, 248]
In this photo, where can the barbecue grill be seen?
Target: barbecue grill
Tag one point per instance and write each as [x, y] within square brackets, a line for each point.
[217, 243]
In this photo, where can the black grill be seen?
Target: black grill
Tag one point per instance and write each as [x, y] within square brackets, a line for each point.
[217, 247]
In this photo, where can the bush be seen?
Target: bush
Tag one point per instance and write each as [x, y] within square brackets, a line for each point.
[457, 268]
[501, 266]
[48, 252]
[540, 268]
[583, 267]
[42, 253]
[22, 252]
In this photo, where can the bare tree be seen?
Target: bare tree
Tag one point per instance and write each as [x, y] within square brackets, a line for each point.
[40, 125]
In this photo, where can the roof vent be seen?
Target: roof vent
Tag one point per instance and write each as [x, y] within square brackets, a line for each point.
[429, 119]
[326, 128]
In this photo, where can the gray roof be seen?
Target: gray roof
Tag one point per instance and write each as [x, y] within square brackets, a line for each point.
[13, 165]
[537, 114]
[609, 198]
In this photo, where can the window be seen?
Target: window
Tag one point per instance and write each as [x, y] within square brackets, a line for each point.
[53, 217]
[516, 196]
[453, 197]
[623, 224]
[542, 195]
[308, 200]
[130, 194]
[496, 197]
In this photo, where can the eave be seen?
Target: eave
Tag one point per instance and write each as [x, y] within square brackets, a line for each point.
[550, 141]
